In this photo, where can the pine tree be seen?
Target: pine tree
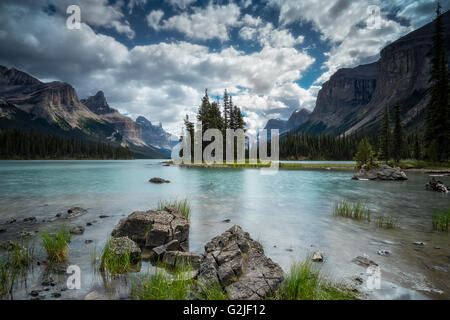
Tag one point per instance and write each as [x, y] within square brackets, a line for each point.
[417, 151]
[398, 143]
[365, 157]
[385, 136]
[437, 123]
[226, 109]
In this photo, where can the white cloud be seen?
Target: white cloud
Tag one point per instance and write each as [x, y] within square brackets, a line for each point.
[267, 35]
[135, 3]
[162, 81]
[343, 23]
[206, 23]
[154, 17]
[182, 4]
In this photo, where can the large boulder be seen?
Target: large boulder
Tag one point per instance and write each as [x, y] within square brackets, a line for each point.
[383, 172]
[436, 185]
[154, 228]
[237, 262]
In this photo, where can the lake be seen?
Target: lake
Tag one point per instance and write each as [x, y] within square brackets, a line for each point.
[290, 213]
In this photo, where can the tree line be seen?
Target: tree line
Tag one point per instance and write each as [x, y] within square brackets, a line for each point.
[212, 117]
[19, 144]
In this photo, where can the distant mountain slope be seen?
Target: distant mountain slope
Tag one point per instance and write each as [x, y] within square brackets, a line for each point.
[125, 126]
[297, 118]
[27, 103]
[155, 135]
[354, 98]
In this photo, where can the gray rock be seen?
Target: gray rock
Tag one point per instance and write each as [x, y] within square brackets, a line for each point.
[317, 257]
[175, 259]
[75, 212]
[77, 230]
[383, 252]
[158, 252]
[122, 245]
[436, 185]
[95, 295]
[383, 172]
[151, 229]
[364, 262]
[237, 262]
[158, 180]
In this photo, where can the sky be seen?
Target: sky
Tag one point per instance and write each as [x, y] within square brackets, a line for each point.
[156, 57]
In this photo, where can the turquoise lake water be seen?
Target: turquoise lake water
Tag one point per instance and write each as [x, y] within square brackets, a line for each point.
[290, 213]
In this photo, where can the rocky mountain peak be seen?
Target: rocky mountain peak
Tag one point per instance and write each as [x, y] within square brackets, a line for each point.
[14, 77]
[98, 104]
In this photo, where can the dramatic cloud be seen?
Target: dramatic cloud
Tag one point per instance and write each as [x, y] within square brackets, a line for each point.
[348, 26]
[199, 45]
[206, 23]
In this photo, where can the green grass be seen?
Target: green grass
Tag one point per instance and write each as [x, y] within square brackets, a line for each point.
[305, 282]
[182, 205]
[441, 220]
[114, 263]
[356, 210]
[387, 222]
[8, 277]
[419, 164]
[56, 244]
[21, 257]
[292, 166]
[214, 292]
[162, 286]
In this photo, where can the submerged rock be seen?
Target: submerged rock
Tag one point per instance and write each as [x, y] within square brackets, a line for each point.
[75, 212]
[152, 228]
[364, 262]
[237, 262]
[436, 185]
[77, 230]
[158, 180]
[383, 172]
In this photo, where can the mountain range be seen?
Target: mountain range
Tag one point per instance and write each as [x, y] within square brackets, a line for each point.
[54, 107]
[354, 98]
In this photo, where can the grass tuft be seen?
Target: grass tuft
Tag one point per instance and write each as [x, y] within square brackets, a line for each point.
[56, 244]
[182, 205]
[8, 277]
[387, 222]
[356, 210]
[305, 282]
[21, 257]
[163, 286]
[115, 263]
[441, 220]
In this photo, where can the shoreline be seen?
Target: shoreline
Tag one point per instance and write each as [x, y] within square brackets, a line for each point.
[307, 166]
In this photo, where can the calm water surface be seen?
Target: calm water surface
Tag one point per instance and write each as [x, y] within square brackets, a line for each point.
[290, 213]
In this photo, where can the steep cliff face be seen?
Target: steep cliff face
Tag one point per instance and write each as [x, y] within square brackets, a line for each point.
[297, 118]
[354, 98]
[125, 126]
[155, 135]
[403, 70]
[344, 94]
[98, 104]
[56, 102]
